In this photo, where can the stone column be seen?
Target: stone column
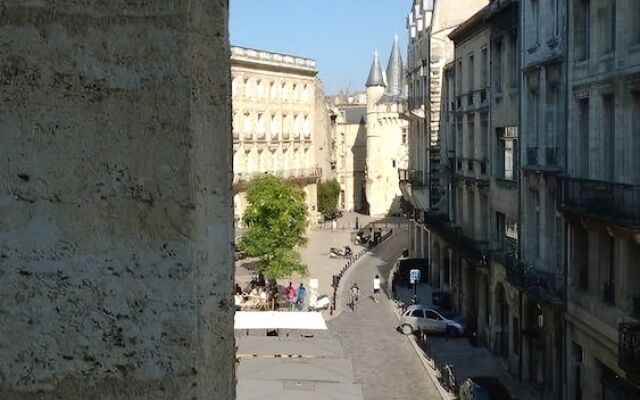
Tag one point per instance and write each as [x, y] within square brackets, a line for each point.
[116, 269]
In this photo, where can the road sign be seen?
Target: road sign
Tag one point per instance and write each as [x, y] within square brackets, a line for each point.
[414, 276]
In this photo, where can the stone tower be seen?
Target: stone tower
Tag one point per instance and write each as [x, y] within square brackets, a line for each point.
[386, 96]
[375, 90]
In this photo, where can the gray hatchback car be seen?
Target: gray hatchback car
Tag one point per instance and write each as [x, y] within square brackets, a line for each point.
[429, 319]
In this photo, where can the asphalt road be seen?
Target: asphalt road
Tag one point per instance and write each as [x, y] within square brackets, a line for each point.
[384, 362]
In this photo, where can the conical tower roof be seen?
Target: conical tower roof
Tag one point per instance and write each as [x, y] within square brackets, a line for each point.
[395, 71]
[376, 77]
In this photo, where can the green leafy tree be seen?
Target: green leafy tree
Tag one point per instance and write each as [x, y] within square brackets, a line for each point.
[277, 219]
[328, 195]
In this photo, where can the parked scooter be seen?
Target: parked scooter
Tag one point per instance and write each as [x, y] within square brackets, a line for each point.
[318, 303]
[335, 252]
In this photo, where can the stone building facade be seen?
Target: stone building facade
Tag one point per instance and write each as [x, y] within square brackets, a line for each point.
[424, 184]
[280, 123]
[481, 128]
[349, 153]
[600, 199]
[116, 267]
[536, 231]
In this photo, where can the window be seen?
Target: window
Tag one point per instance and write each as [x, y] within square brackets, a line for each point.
[432, 315]
[582, 31]
[607, 26]
[608, 137]
[459, 79]
[537, 221]
[634, 26]
[535, 23]
[609, 284]
[516, 335]
[273, 90]
[417, 314]
[552, 113]
[471, 71]
[483, 151]
[505, 162]
[634, 148]
[483, 69]
[583, 136]
[497, 74]
[260, 90]
[555, 14]
[393, 163]
[470, 134]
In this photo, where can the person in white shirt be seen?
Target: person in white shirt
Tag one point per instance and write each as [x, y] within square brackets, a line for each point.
[376, 288]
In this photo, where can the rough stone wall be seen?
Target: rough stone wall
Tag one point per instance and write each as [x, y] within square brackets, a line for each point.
[115, 207]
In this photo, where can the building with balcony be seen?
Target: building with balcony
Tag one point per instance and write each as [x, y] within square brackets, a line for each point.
[480, 138]
[430, 50]
[280, 123]
[539, 270]
[599, 199]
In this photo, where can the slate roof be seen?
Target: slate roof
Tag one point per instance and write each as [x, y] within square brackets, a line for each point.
[376, 78]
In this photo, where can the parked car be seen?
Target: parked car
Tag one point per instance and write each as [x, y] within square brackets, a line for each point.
[429, 319]
[483, 388]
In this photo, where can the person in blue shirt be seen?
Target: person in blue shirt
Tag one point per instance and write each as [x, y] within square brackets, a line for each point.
[300, 296]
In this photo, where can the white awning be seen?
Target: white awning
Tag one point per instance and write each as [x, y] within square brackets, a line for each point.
[279, 320]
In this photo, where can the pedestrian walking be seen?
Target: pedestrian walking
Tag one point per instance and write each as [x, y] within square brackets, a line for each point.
[290, 294]
[354, 293]
[376, 288]
[300, 297]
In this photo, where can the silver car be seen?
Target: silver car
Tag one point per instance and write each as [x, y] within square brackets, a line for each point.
[427, 318]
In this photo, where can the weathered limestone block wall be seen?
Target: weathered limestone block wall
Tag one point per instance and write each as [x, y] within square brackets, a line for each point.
[115, 200]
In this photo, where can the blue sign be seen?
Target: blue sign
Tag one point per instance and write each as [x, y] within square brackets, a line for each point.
[414, 276]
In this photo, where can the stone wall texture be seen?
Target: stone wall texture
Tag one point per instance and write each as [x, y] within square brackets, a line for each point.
[116, 267]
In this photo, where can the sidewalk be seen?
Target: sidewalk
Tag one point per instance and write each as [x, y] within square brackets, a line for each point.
[465, 360]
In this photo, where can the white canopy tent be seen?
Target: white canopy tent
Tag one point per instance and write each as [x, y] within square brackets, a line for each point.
[279, 320]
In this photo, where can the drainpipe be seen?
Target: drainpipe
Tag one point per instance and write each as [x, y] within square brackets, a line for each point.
[519, 42]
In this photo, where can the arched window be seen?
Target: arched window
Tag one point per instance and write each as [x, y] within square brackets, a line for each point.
[246, 125]
[273, 90]
[286, 126]
[284, 95]
[306, 127]
[273, 127]
[294, 91]
[305, 92]
[260, 90]
[261, 126]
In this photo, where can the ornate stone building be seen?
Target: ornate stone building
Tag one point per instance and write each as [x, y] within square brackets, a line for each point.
[369, 139]
[280, 124]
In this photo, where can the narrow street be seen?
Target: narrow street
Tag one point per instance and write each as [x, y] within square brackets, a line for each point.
[384, 361]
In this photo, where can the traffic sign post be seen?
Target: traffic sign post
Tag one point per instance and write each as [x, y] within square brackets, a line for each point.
[414, 277]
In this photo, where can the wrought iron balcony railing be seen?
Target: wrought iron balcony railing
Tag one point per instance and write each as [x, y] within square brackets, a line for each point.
[473, 250]
[288, 174]
[614, 203]
[545, 286]
[414, 177]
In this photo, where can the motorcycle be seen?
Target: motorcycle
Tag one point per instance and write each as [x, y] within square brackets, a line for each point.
[335, 252]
